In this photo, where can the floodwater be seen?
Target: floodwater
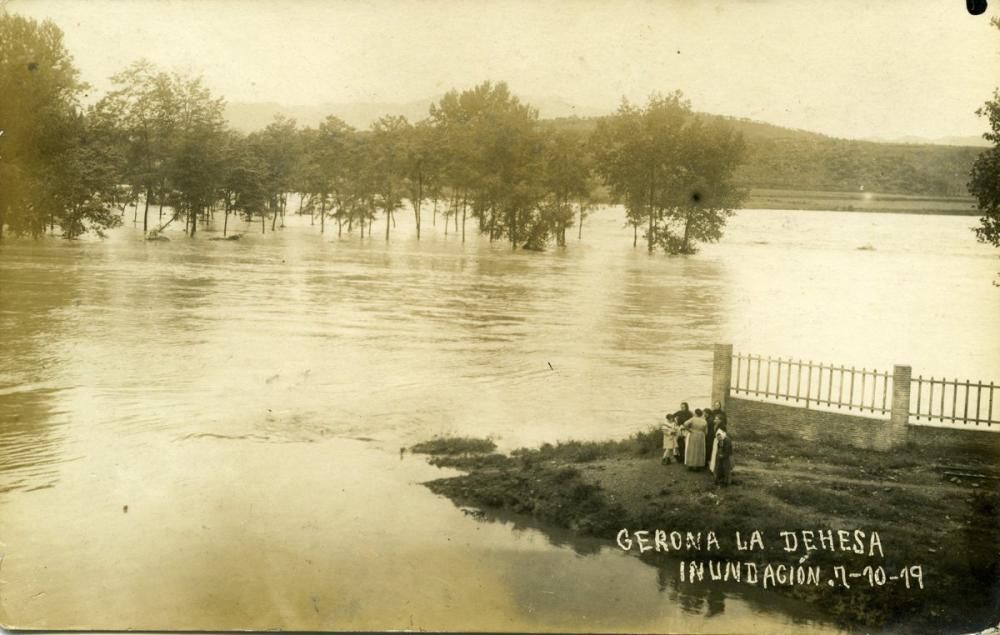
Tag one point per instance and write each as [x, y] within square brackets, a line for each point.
[206, 434]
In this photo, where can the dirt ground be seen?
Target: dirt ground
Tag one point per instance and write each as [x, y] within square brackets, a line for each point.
[936, 507]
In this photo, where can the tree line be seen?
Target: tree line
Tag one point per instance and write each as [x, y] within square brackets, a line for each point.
[481, 160]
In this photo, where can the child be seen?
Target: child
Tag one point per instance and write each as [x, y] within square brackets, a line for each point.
[669, 430]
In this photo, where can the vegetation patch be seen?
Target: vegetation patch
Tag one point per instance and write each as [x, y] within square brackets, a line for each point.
[454, 445]
[599, 488]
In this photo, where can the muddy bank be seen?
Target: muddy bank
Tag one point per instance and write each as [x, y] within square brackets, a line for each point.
[921, 513]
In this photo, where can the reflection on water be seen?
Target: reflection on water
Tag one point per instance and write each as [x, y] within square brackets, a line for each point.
[32, 305]
[218, 390]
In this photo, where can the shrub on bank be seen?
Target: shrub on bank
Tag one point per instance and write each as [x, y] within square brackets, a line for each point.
[454, 445]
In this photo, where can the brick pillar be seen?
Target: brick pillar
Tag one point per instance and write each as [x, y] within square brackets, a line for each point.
[722, 373]
[900, 414]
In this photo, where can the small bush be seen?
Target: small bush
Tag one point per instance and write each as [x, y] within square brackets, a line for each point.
[455, 445]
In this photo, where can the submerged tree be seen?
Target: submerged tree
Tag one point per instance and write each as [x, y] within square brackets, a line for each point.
[327, 153]
[47, 152]
[672, 171]
[242, 182]
[566, 178]
[387, 164]
[278, 146]
[493, 150]
[140, 118]
[985, 177]
[197, 165]
[702, 195]
[421, 164]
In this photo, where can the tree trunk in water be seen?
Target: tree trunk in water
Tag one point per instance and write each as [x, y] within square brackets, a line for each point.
[463, 219]
[388, 217]
[322, 215]
[687, 225]
[274, 214]
[145, 213]
[167, 224]
[194, 220]
[263, 227]
[161, 208]
[652, 208]
[420, 199]
[225, 219]
[579, 229]
[635, 234]
[649, 238]
[434, 216]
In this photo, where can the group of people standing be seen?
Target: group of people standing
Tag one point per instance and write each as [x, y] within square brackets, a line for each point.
[687, 437]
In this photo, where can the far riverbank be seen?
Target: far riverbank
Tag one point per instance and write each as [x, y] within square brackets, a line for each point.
[859, 201]
[947, 525]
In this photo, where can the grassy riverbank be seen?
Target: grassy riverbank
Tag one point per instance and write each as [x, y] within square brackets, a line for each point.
[948, 524]
[859, 201]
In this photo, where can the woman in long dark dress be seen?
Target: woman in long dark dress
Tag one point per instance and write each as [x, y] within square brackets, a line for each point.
[724, 458]
[681, 418]
[720, 424]
[709, 417]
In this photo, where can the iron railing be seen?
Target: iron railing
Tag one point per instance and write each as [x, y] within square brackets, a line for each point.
[804, 382]
[952, 401]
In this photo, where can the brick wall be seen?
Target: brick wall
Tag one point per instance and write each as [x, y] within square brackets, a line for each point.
[862, 432]
[970, 441]
[813, 425]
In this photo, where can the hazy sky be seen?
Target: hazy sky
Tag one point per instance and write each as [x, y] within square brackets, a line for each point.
[847, 68]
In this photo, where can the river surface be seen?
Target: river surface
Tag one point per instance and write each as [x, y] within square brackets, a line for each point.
[206, 434]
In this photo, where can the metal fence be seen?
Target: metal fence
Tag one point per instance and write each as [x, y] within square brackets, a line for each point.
[952, 401]
[936, 401]
[811, 385]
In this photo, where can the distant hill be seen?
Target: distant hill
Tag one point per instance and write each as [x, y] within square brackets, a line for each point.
[777, 158]
[788, 159]
[799, 160]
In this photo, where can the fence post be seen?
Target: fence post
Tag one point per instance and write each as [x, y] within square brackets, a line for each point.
[722, 373]
[900, 413]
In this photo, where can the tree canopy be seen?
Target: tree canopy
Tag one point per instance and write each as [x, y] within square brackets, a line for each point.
[671, 170]
[985, 177]
[482, 155]
[52, 167]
